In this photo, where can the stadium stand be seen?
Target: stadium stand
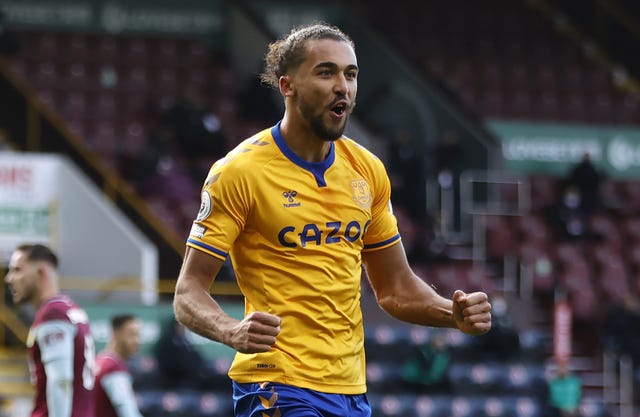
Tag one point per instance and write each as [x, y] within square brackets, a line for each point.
[505, 61]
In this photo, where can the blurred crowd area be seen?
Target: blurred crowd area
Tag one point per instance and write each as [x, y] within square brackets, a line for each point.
[159, 111]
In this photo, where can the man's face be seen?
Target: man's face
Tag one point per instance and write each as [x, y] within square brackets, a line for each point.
[22, 277]
[325, 87]
[128, 337]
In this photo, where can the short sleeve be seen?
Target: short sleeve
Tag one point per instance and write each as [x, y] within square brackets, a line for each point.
[224, 207]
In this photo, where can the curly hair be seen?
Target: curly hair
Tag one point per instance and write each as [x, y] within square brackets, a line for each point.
[289, 51]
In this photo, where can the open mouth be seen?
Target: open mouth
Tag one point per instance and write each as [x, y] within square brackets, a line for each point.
[339, 109]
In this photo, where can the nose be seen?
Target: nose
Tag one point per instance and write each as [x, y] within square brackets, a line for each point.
[341, 86]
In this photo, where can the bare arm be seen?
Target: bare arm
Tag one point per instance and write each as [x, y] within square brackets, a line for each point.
[197, 310]
[405, 296]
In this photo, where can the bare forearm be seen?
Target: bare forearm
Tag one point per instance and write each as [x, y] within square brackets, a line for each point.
[200, 313]
[419, 305]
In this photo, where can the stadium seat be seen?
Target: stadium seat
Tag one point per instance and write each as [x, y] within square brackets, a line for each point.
[576, 275]
[166, 52]
[475, 378]
[134, 51]
[106, 50]
[103, 138]
[133, 78]
[432, 405]
[533, 228]
[106, 106]
[524, 379]
[628, 106]
[468, 406]
[74, 105]
[145, 373]
[449, 277]
[213, 404]
[184, 403]
[498, 407]
[569, 252]
[385, 376]
[607, 226]
[613, 279]
[500, 239]
[591, 407]
[386, 343]
[528, 407]
[537, 261]
[45, 45]
[79, 48]
[46, 75]
[391, 405]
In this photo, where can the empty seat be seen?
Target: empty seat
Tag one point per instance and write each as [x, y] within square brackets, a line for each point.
[384, 376]
[392, 405]
[476, 378]
[432, 405]
[46, 75]
[213, 404]
[533, 227]
[145, 373]
[134, 51]
[106, 50]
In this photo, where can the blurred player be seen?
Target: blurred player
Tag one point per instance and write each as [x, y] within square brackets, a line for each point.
[61, 349]
[300, 208]
[114, 393]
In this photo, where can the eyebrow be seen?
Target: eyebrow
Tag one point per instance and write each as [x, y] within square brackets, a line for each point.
[334, 66]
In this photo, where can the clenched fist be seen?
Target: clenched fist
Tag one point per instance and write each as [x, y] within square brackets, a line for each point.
[255, 333]
[472, 312]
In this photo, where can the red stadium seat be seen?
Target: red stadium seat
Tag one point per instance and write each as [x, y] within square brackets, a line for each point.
[134, 51]
[74, 105]
[46, 45]
[46, 75]
[106, 50]
[606, 226]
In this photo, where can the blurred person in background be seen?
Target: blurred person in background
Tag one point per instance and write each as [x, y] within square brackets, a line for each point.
[61, 348]
[300, 209]
[619, 318]
[179, 362]
[114, 395]
[426, 370]
[197, 129]
[587, 181]
[503, 341]
[568, 220]
[565, 392]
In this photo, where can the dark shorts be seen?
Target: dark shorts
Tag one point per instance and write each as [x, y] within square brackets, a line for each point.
[279, 400]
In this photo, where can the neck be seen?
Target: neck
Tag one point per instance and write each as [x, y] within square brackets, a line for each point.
[46, 293]
[113, 347]
[302, 141]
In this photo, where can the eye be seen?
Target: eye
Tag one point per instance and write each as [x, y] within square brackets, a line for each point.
[352, 75]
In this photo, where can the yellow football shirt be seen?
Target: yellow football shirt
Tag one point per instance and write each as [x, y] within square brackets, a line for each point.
[295, 231]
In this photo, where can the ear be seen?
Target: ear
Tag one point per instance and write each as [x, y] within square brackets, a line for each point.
[287, 88]
[42, 270]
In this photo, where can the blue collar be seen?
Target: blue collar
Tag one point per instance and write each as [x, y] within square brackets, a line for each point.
[316, 168]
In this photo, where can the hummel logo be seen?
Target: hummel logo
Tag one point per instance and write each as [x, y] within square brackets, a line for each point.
[290, 196]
